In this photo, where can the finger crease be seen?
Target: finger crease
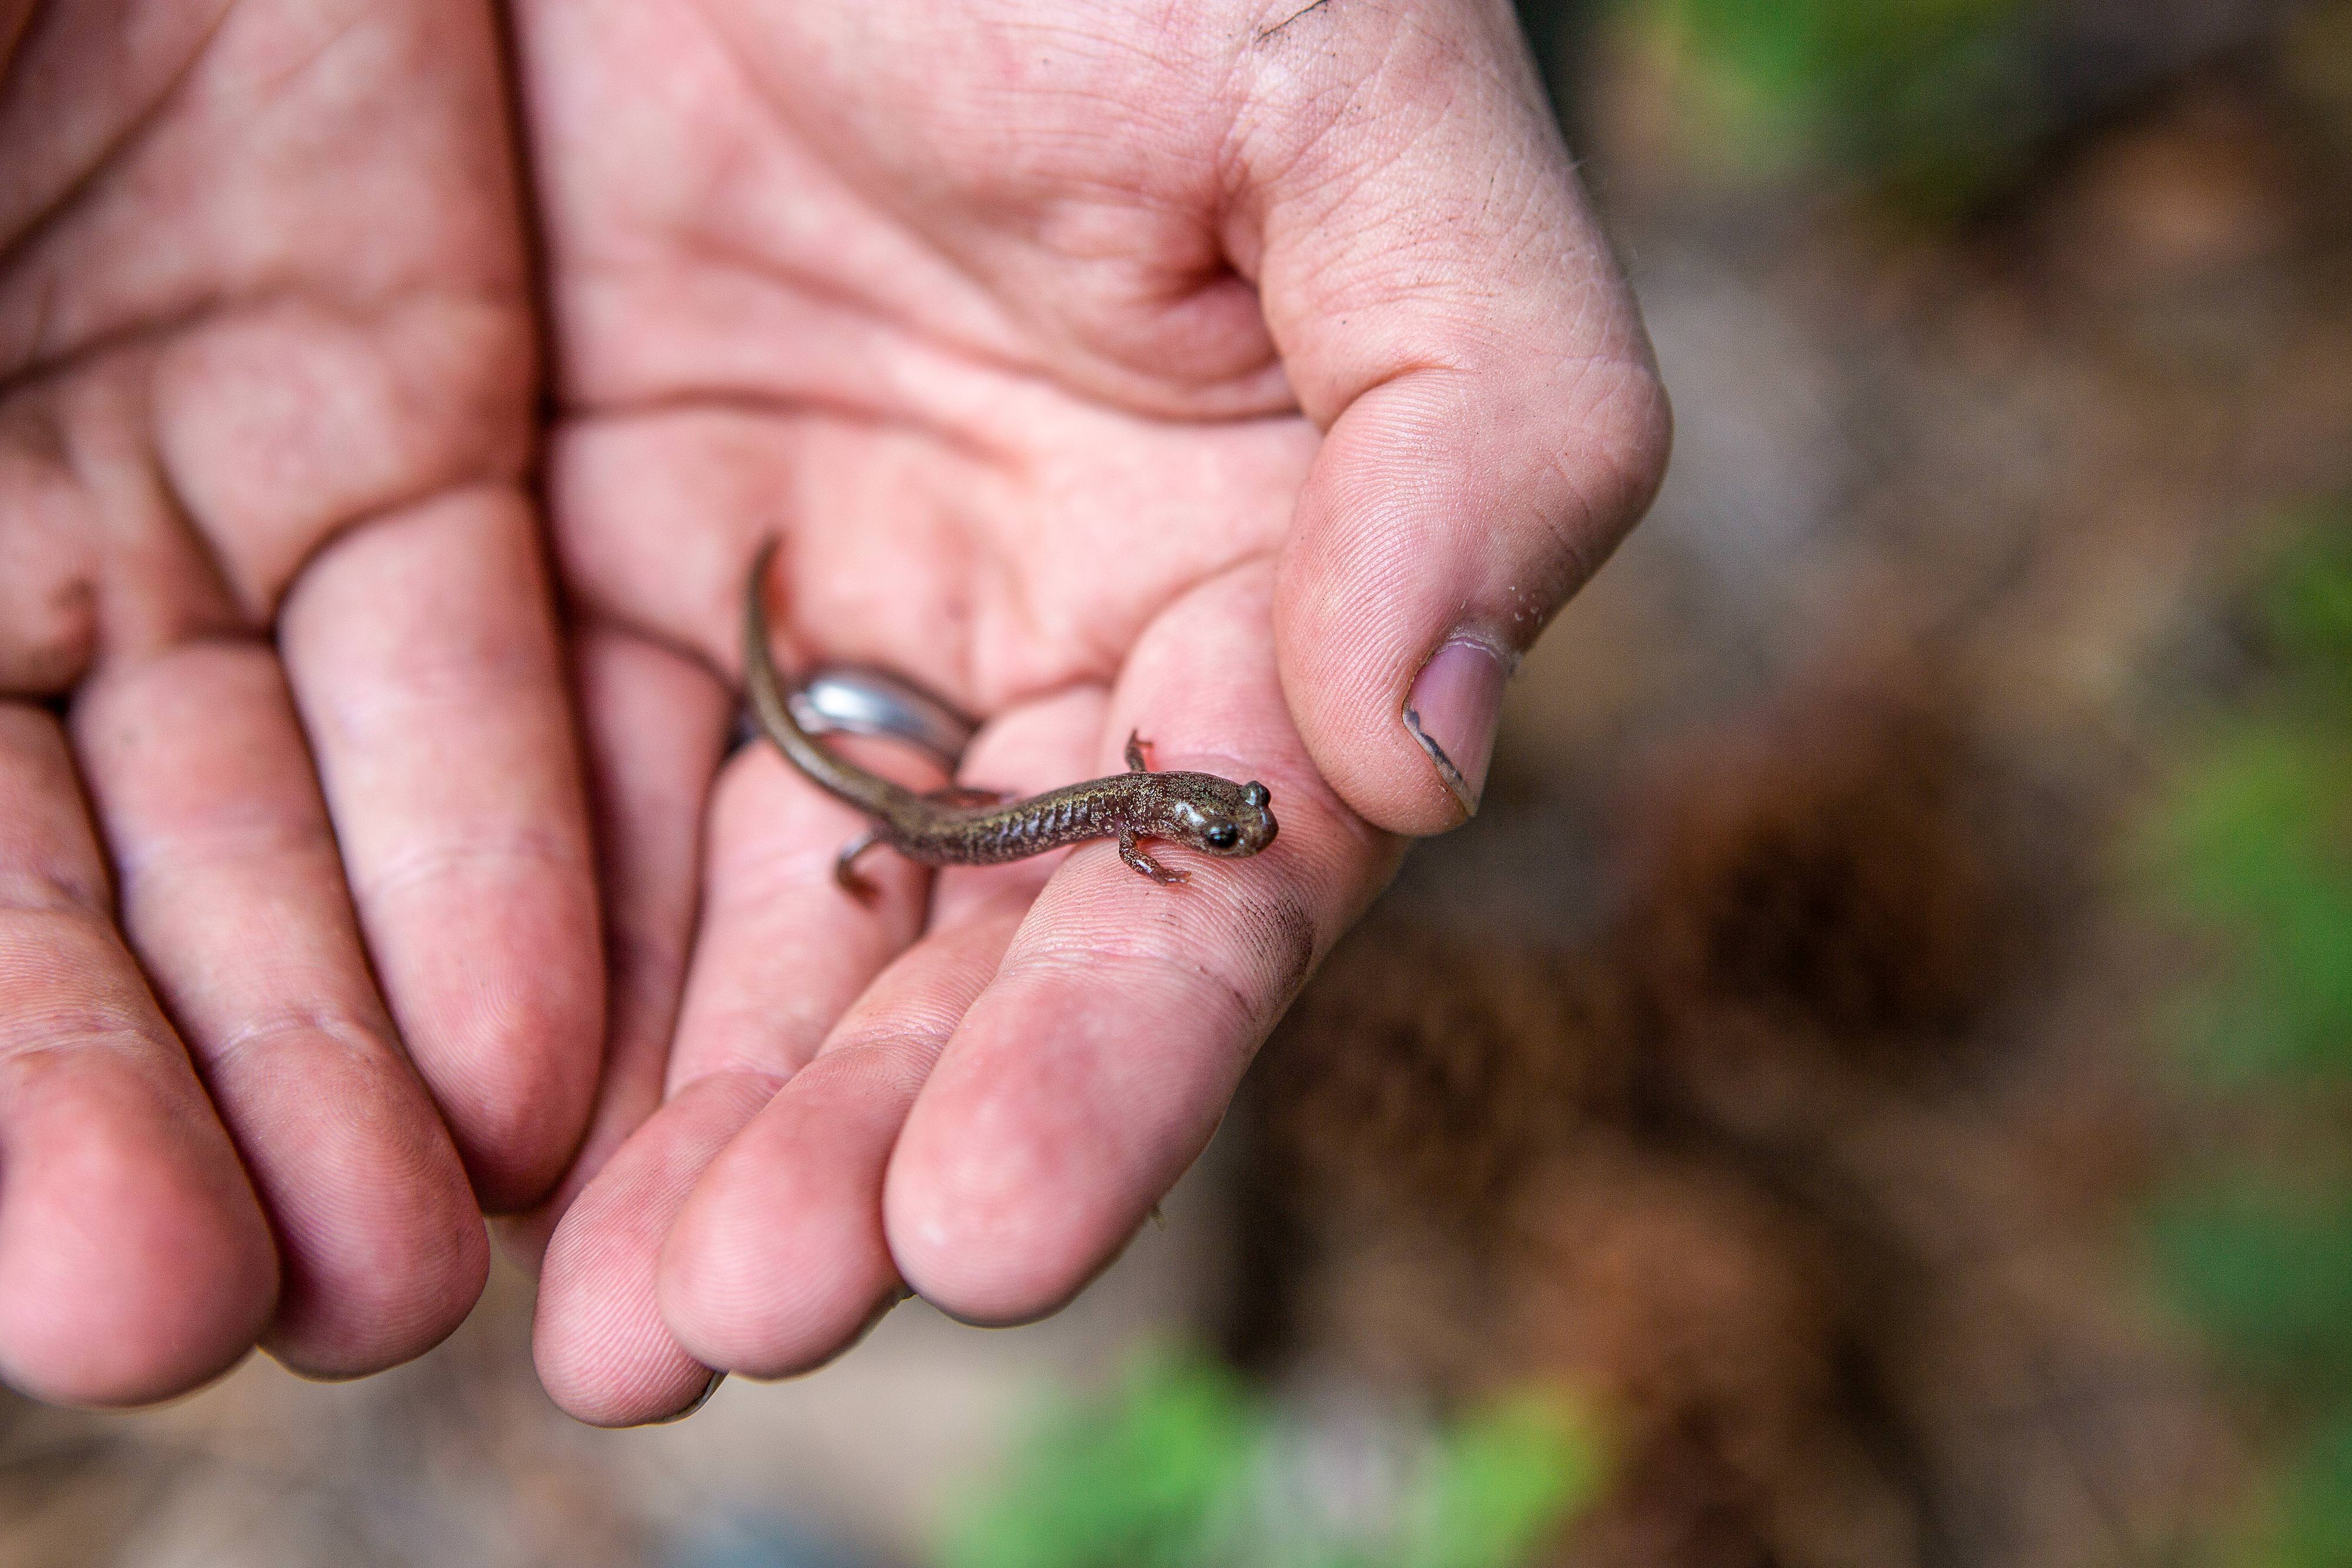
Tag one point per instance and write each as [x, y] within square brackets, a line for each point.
[44, 891]
[408, 871]
[302, 1026]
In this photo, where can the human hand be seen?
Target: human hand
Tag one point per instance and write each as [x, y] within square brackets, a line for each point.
[1239, 380]
[287, 782]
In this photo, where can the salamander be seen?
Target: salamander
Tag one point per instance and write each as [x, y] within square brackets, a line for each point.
[959, 826]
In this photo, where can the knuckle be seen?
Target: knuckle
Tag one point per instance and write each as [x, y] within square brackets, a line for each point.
[48, 618]
[1615, 445]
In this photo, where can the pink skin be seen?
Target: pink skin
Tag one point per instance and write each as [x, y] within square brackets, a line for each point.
[287, 787]
[1105, 366]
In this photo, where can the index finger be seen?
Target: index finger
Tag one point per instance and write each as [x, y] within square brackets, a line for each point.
[1091, 1071]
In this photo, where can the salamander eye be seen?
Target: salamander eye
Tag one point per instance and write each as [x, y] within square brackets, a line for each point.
[1254, 794]
[1223, 836]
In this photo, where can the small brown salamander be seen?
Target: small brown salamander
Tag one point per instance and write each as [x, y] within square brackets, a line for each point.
[975, 827]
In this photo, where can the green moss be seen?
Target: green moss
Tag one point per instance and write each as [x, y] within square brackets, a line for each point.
[2267, 1271]
[1143, 1479]
[2251, 847]
[1934, 97]
[1181, 1465]
[1502, 1483]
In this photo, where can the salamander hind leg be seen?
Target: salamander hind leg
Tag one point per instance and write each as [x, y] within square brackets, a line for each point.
[844, 867]
[1135, 746]
[1134, 857]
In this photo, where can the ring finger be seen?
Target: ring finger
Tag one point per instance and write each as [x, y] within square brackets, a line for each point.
[779, 954]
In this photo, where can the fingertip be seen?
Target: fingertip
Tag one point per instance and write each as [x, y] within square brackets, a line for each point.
[643, 1394]
[996, 1269]
[509, 1078]
[598, 1344]
[988, 1225]
[731, 1307]
[938, 1269]
[597, 1392]
[777, 1263]
[416, 1261]
[410, 1311]
[602, 1353]
[135, 1262]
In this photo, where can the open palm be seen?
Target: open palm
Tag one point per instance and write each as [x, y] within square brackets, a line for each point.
[1246, 375]
[296, 926]
[1102, 366]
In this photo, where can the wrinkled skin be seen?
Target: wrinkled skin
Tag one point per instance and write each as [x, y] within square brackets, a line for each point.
[1103, 366]
[280, 697]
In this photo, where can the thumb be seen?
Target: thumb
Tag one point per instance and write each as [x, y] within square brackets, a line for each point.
[1449, 315]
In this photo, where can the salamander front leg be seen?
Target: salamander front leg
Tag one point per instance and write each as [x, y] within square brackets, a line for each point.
[1135, 745]
[845, 866]
[1145, 864]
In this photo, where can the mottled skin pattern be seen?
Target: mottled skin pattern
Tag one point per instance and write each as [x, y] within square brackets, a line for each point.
[967, 827]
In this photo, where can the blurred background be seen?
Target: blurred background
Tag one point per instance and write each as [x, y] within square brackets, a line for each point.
[1874, 1086]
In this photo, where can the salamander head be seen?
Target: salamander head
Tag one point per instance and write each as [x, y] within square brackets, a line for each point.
[1217, 816]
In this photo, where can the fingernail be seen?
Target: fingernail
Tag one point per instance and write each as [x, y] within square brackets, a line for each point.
[1455, 703]
[700, 1400]
[890, 1303]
